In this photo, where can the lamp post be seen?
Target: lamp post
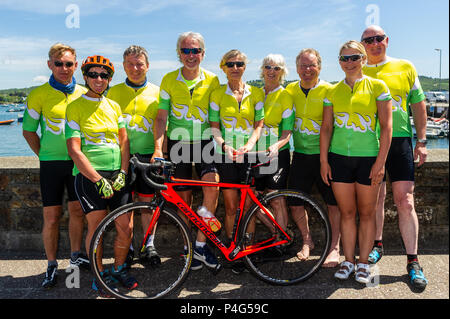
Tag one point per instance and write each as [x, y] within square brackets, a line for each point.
[440, 63]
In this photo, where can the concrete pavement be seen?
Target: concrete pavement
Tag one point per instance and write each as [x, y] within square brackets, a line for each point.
[21, 277]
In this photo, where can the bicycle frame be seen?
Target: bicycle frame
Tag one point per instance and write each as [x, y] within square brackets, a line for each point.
[234, 251]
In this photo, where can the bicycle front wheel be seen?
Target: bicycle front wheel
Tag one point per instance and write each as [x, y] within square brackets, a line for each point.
[172, 243]
[284, 264]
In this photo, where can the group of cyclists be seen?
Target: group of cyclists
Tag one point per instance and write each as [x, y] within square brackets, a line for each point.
[344, 135]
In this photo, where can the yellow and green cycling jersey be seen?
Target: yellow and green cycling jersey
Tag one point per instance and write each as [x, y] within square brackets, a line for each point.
[46, 107]
[356, 116]
[403, 82]
[96, 121]
[188, 107]
[308, 116]
[236, 119]
[139, 110]
[278, 117]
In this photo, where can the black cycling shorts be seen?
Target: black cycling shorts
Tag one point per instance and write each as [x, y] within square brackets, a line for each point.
[305, 173]
[400, 160]
[201, 153]
[54, 175]
[91, 200]
[351, 169]
[278, 179]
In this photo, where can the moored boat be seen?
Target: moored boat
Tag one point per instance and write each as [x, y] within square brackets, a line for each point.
[6, 122]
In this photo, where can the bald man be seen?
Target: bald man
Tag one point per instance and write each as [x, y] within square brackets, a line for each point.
[406, 91]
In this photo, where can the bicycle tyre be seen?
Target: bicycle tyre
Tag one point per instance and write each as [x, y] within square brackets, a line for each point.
[279, 265]
[171, 237]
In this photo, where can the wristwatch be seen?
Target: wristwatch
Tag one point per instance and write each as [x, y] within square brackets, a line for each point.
[422, 141]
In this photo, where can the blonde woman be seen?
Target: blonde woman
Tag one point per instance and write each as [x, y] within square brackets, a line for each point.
[352, 154]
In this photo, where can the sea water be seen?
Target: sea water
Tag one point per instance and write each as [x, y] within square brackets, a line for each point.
[12, 142]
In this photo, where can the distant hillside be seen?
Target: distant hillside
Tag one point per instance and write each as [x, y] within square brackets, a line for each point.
[428, 83]
[18, 95]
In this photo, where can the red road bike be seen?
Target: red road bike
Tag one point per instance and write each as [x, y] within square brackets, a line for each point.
[269, 251]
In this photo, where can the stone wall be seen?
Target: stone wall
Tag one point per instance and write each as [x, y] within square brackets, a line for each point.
[21, 211]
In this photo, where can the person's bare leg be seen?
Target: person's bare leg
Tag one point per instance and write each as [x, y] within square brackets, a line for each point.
[334, 216]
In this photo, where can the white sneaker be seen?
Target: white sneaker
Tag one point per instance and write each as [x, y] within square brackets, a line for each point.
[345, 270]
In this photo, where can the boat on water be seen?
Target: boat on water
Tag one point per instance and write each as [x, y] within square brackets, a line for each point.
[6, 122]
[436, 128]
[16, 109]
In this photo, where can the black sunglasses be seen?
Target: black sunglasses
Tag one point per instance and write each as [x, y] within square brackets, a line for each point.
[238, 64]
[94, 75]
[353, 57]
[370, 40]
[269, 67]
[191, 50]
[60, 64]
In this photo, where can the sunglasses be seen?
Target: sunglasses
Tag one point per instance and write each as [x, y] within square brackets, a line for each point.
[60, 64]
[377, 38]
[94, 75]
[269, 67]
[238, 64]
[353, 57]
[191, 50]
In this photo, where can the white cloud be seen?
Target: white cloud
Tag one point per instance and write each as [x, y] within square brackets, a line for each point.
[40, 79]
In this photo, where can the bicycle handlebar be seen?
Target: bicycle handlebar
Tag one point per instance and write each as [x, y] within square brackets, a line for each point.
[147, 168]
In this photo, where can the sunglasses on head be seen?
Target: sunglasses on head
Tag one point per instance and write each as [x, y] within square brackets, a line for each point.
[191, 50]
[94, 75]
[238, 64]
[377, 38]
[60, 64]
[269, 67]
[353, 57]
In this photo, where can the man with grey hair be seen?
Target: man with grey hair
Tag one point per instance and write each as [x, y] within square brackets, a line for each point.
[139, 99]
[403, 82]
[183, 109]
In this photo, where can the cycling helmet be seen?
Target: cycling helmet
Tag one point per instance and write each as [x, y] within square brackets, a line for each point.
[97, 60]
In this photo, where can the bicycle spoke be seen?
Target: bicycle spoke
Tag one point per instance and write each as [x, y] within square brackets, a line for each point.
[154, 280]
[280, 264]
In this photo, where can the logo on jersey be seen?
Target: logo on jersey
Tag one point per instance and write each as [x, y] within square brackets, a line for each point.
[306, 126]
[139, 123]
[356, 122]
[54, 126]
[194, 113]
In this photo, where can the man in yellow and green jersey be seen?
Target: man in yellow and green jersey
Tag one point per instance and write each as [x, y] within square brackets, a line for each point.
[402, 80]
[46, 108]
[139, 100]
[183, 109]
[308, 95]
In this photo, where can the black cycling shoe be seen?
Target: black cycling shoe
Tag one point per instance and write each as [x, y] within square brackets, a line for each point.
[50, 277]
[416, 277]
[79, 259]
[150, 255]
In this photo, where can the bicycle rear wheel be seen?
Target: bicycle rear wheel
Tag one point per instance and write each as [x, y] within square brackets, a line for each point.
[171, 240]
[279, 265]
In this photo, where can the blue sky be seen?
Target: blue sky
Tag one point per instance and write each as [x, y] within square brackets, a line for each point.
[29, 27]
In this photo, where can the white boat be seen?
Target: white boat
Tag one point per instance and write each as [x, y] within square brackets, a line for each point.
[435, 127]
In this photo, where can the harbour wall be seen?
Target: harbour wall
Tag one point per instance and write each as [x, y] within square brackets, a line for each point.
[21, 208]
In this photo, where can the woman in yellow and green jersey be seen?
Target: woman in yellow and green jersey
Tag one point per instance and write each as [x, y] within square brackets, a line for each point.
[353, 154]
[276, 132]
[98, 144]
[236, 116]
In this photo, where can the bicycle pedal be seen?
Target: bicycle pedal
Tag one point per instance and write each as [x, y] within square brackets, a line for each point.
[216, 269]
